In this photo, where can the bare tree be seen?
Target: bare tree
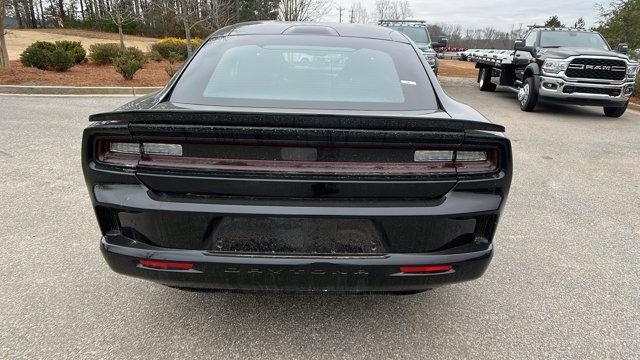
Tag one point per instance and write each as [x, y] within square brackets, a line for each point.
[403, 11]
[393, 10]
[383, 9]
[4, 55]
[210, 15]
[358, 13]
[303, 10]
[121, 13]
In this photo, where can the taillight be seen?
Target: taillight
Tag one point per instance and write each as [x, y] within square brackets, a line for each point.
[464, 161]
[172, 156]
[166, 265]
[129, 154]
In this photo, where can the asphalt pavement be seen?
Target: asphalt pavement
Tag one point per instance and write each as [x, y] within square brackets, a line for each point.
[564, 281]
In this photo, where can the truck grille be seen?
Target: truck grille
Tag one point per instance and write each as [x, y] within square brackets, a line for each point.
[603, 69]
[591, 90]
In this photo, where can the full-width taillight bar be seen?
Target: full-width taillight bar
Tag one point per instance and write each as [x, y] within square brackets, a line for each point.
[171, 156]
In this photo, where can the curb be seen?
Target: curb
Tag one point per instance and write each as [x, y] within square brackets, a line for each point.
[73, 90]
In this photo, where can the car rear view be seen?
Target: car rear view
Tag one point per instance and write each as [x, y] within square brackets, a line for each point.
[299, 158]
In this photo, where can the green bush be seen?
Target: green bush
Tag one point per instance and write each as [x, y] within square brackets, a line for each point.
[154, 55]
[75, 48]
[102, 54]
[135, 53]
[127, 66]
[174, 57]
[38, 55]
[35, 57]
[105, 54]
[175, 45]
[44, 45]
[61, 60]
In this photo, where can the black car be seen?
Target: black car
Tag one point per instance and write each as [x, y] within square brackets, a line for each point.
[298, 157]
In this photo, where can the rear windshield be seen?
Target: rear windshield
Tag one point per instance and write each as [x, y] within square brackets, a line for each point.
[306, 72]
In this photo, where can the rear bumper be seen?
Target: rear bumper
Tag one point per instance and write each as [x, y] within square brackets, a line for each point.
[280, 273]
[456, 230]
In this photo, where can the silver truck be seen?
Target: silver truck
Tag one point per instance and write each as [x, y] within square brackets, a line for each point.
[564, 65]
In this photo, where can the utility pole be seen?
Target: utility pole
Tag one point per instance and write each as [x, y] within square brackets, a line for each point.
[340, 10]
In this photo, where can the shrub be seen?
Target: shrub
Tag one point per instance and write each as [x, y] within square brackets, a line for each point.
[75, 48]
[135, 53]
[35, 57]
[102, 54]
[61, 60]
[170, 70]
[176, 45]
[127, 66]
[154, 55]
[174, 57]
[38, 55]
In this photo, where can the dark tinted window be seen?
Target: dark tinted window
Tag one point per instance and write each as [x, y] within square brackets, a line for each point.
[306, 72]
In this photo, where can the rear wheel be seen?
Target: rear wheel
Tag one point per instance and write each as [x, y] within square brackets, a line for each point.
[615, 112]
[528, 95]
[485, 80]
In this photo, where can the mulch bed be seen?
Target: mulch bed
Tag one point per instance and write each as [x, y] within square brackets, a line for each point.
[87, 74]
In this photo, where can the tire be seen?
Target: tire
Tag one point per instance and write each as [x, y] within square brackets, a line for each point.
[528, 95]
[484, 78]
[615, 112]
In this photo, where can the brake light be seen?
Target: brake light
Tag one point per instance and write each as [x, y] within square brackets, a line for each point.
[166, 265]
[425, 269]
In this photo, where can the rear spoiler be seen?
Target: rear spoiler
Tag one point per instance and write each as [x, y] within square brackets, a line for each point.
[317, 121]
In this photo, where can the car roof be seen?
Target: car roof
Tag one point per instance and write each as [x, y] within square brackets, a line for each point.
[309, 28]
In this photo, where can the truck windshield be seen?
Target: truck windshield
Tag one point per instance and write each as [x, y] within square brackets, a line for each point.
[419, 35]
[585, 40]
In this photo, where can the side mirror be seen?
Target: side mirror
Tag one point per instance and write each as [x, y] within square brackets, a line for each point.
[520, 46]
[442, 42]
[623, 48]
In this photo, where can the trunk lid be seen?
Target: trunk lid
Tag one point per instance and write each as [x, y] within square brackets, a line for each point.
[270, 155]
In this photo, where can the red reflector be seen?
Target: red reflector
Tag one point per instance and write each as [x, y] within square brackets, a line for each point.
[168, 265]
[425, 269]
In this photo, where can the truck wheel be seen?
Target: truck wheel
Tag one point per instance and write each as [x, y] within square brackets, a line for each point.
[528, 95]
[615, 112]
[484, 79]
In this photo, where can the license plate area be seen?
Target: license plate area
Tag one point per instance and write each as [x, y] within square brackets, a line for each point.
[297, 236]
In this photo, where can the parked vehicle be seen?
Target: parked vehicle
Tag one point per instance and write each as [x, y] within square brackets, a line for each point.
[464, 55]
[566, 65]
[242, 174]
[417, 31]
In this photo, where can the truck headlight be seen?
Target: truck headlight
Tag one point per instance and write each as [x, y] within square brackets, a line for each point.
[431, 58]
[632, 71]
[554, 66]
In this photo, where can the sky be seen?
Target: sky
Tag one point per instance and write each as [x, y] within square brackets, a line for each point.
[500, 14]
